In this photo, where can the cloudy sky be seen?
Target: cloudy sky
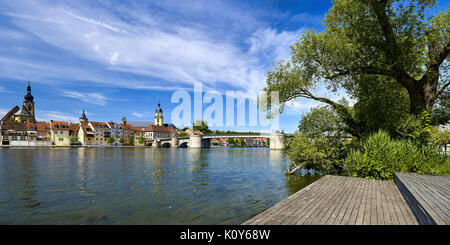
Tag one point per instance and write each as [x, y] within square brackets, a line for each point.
[116, 58]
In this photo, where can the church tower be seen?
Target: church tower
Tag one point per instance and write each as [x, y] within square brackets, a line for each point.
[29, 102]
[158, 116]
[83, 118]
[26, 112]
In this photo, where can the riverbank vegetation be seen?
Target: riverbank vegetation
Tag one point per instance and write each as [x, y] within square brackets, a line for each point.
[391, 58]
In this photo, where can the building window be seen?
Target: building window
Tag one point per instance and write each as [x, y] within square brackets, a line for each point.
[61, 139]
[23, 138]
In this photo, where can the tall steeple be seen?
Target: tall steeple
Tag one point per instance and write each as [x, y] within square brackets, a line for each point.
[158, 115]
[28, 97]
[29, 103]
[83, 118]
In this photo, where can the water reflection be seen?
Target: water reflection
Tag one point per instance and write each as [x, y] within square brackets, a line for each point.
[141, 185]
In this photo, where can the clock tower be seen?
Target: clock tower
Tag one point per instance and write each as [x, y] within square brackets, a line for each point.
[29, 101]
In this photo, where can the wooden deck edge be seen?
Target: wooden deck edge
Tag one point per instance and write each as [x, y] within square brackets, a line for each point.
[306, 188]
[422, 216]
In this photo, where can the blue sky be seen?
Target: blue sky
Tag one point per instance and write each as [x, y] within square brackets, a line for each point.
[116, 58]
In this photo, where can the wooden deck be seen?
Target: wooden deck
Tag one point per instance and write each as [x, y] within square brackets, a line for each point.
[337, 200]
[427, 195]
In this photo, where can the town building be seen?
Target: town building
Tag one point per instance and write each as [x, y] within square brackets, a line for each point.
[60, 133]
[25, 113]
[39, 132]
[85, 134]
[14, 134]
[191, 132]
[101, 131]
[127, 130]
[138, 133]
[153, 132]
[116, 132]
[73, 132]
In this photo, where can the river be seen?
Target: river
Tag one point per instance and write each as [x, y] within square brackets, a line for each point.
[141, 185]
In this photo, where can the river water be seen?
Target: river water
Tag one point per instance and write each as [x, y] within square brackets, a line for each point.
[141, 185]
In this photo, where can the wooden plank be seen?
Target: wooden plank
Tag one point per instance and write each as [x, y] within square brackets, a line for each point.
[360, 214]
[333, 212]
[350, 213]
[427, 195]
[387, 219]
[357, 204]
[303, 218]
[379, 207]
[437, 206]
[268, 214]
[321, 204]
[308, 207]
[391, 190]
[347, 203]
[340, 200]
[409, 217]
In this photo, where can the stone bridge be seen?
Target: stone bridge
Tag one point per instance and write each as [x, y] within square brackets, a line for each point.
[277, 140]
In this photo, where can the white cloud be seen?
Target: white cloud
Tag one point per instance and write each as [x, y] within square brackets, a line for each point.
[93, 98]
[43, 115]
[140, 115]
[151, 46]
[273, 45]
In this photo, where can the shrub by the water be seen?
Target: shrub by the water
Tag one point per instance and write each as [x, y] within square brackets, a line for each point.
[381, 156]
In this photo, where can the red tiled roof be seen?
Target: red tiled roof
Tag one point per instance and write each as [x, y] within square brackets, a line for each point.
[99, 125]
[16, 126]
[74, 127]
[126, 126]
[173, 131]
[138, 130]
[86, 128]
[156, 128]
[59, 125]
[39, 126]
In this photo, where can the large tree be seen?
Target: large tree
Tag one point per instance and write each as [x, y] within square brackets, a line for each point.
[370, 42]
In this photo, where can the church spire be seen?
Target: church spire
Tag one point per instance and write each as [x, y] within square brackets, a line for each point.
[28, 97]
[83, 118]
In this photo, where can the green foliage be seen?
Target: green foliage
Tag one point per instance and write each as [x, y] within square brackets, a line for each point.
[230, 141]
[131, 140]
[74, 139]
[121, 140]
[323, 154]
[141, 139]
[321, 121]
[183, 134]
[440, 114]
[110, 140]
[382, 53]
[242, 141]
[382, 104]
[201, 126]
[417, 128]
[441, 135]
[380, 157]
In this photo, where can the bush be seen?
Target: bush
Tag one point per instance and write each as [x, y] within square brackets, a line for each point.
[380, 157]
[323, 154]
